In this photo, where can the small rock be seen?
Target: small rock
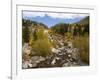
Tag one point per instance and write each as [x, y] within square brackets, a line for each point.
[69, 55]
[37, 59]
[55, 50]
[66, 64]
[53, 62]
[42, 58]
[69, 50]
[26, 65]
[34, 64]
[26, 48]
[70, 44]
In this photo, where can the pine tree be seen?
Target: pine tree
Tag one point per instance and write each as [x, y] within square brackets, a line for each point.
[25, 34]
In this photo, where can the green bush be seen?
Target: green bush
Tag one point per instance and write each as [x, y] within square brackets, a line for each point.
[40, 34]
[42, 47]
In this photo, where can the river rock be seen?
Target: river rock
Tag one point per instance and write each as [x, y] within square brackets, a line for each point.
[26, 64]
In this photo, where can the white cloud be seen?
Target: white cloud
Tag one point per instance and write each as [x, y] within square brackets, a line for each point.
[53, 15]
[33, 14]
[66, 15]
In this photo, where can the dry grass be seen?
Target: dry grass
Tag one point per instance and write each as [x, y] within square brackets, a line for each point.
[83, 44]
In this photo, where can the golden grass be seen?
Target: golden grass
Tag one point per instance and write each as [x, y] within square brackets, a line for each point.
[82, 43]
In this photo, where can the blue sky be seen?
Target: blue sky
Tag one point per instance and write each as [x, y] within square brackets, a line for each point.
[51, 19]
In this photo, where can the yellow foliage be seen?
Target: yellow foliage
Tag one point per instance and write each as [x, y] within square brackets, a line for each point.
[42, 47]
[68, 36]
[82, 43]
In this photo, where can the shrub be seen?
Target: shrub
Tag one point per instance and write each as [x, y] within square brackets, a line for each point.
[82, 43]
[68, 36]
[42, 47]
[40, 34]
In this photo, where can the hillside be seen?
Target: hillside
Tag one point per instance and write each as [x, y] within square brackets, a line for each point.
[62, 28]
[84, 21]
[29, 23]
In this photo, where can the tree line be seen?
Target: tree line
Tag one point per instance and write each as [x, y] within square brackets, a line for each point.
[74, 29]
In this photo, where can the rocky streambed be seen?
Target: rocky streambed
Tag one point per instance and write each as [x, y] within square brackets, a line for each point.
[65, 56]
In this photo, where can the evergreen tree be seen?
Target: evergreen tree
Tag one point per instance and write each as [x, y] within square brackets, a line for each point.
[25, 34]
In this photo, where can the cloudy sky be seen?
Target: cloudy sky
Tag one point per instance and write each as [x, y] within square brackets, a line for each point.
[51, 19]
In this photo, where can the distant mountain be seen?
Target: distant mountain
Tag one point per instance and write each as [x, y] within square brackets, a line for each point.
[62, 28]
[84, 21]
[49, 21]
[29, 23]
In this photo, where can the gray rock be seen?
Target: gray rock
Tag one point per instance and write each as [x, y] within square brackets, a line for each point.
[70, 44]
[26, 48]
[75, 54]
[42, 58]
[34, 64]
[26, 64]
[37, 59]
[66, 64]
